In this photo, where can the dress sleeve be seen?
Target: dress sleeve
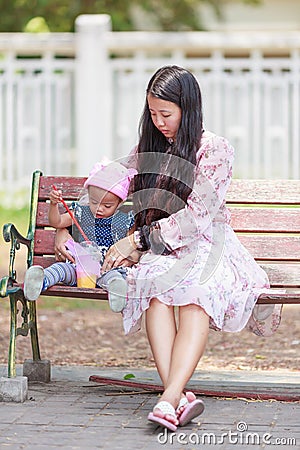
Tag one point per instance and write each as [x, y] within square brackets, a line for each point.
[206, 202]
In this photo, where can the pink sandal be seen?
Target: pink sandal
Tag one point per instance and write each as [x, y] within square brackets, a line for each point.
[167, 409]
[191, 410]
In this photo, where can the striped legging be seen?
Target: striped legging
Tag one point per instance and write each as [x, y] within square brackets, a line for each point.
[65, 273]
[60, 272]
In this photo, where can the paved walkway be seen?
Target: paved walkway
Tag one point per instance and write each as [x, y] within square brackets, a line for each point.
[72, 412]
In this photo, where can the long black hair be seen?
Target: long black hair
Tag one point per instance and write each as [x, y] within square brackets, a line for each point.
[166, 168]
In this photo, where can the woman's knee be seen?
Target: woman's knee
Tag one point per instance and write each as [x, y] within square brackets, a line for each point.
[155, 303]
[193, 312]
[192, 307]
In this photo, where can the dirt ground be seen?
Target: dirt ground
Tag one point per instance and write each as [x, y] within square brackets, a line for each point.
[94, 336]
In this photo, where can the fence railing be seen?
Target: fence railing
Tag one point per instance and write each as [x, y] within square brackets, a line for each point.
[67, 100]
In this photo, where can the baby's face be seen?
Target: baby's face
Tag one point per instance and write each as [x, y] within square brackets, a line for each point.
[102, 203]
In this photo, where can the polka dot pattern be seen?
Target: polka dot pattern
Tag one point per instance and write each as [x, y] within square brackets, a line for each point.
[105, 232]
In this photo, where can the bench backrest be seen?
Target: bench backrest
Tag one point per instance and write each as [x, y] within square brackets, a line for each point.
[265, 215]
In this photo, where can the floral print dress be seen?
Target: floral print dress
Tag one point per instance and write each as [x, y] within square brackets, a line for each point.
[208, 265]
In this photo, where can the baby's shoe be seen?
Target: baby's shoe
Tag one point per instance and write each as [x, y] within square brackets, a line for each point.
[117, 293]
[33, 282]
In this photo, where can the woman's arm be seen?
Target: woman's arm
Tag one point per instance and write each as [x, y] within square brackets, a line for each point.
[212, 179]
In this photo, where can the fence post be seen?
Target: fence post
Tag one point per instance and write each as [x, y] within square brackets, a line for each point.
[93, 92]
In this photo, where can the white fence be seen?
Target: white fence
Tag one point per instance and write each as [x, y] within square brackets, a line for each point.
[67, 100]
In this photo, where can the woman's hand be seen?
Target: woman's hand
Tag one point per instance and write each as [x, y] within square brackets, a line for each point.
[61, 253]
[132, 259]
[119, 252]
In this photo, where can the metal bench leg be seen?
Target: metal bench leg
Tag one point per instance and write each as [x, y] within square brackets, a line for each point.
[36, 369]
[13, 335]
[34, 332]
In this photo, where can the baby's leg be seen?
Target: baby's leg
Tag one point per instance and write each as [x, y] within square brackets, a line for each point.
[59, 273]
[114, 281]
[38, 279]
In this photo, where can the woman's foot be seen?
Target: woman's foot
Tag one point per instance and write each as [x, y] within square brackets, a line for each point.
[33, 282]
[189, 407]
[165, 415]
[186, 398]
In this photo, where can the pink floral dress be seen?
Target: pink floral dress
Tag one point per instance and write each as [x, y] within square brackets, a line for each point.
[208, 266]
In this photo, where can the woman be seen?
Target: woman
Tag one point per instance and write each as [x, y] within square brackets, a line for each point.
[191, 257]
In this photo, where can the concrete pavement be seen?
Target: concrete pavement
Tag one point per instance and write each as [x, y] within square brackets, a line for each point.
[72, 412]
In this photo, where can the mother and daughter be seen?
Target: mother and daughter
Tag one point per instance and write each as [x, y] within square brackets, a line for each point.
[181, 253]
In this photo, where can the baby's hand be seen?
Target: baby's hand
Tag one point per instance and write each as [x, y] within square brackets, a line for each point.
[55, 196]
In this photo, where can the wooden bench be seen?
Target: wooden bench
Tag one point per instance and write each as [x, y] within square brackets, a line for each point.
[265, 214]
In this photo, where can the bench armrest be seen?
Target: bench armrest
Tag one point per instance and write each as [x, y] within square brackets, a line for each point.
[8, 286]
[12, 235]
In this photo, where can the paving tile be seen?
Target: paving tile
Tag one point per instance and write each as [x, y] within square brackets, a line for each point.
[72, 413]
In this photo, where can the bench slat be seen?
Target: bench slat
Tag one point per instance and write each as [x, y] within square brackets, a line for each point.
[269, 247]
[283, 274]
[42, 214]
[264, 192]
[76, 292]
[280, 298]
[44, 261]
[44, 242]
[272, 247]
[240, 191]
[271, 220]
[285, 220]
[70, 186]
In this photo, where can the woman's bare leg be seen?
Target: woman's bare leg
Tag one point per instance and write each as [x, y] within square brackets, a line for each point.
[179, 359]
[161, 332]
[189, 346]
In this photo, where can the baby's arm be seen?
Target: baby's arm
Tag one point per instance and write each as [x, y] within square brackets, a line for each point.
[56, 219]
